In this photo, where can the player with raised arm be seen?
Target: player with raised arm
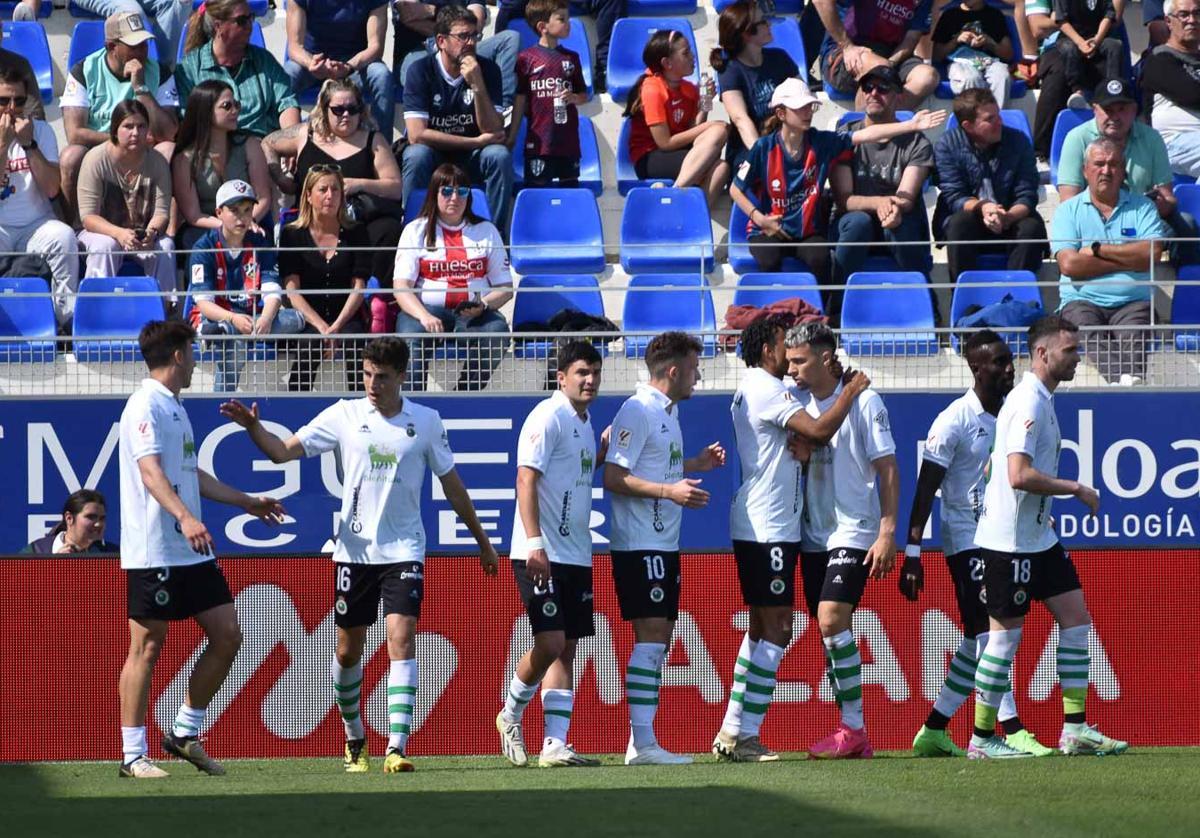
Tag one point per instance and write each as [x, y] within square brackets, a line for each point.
[167, 552]
[645, 472]
[1022, 556]
[850, 506]
[773, 434]
[956, 453]
[552, 554]
[386, 442]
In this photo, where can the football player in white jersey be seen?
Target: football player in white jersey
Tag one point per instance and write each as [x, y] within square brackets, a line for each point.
[774, 436]
[957, 448]
[850, 507]
[1022, 557]
[552, 554]
[386, 442]
[644, 472]
[167, 553]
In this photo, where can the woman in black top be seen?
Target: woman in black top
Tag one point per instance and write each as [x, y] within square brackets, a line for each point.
[340, 131]
[324, 250]
[81, 529]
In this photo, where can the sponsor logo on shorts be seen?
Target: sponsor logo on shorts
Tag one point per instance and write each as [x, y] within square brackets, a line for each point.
[161, 597]
[841, 557]
[1020, 596]
[340, 605]
[549, 608]
[777, 585]
[411, 574]
[657, 594]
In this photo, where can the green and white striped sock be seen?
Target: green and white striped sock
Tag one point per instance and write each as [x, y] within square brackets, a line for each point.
[760, 685]
[960, 679]
[737, 691]
[402, 695]
[556, 709]
[347, 686]
[519, 696]
[643, 676]
[992, 678]
[847, 676]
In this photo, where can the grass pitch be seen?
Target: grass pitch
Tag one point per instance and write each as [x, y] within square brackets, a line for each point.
[1147, 792]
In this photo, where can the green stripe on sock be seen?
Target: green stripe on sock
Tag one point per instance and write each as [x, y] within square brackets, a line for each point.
[400, 708]
[346, 702]
[992, 686]
[755, 709]
[960, 672]
[345, 688]
[399, 728]
[761, 689]
[518, 699]
[852, 694]
[844, 652]
[402, 690]
[632, 700]
[966, 661]
[757, 670]
[738, 697]
[349, 717]
[958, 689]
[994, 660]
[848, 671]
[997, 674]
[566, 714]
[1071, 650]
[1063, 672]
[645, 673]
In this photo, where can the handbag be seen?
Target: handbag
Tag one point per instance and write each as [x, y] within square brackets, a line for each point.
[365, 207]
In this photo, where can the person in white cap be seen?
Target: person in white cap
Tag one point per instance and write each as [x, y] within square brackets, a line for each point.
[234, 283]
[782, 183]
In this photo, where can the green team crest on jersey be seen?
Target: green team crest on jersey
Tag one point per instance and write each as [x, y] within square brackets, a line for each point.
[676, 456]
[189, 447]
[381, 456]
[585, 465]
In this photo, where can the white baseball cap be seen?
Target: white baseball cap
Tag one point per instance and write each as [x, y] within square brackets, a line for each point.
[233, 192]
[793, 93]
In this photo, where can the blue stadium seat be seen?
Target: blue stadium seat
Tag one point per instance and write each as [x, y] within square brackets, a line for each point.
[590, 175]
[651, 306]
[88, 37]
[666, 231]
[968, 291]
[30, 318]
[851, 116]
[782, 7]
[786, 34]
[659, 8]
[479, 204]
[739, 251]
[1179, 180]
[1012, 117]
[256, 38]
[901, 318]
[1016, 90]
[557, 231]
[784, 286]
[578, 291]
[629, 36]
[7, 6]
[1067, 119]
[626, 174]
[258, 8]
[1185, 311]
[28, 38]
[99, 314]
[577, 41]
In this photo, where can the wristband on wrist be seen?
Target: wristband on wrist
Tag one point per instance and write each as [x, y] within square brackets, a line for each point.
[535, 543]
[912, 551]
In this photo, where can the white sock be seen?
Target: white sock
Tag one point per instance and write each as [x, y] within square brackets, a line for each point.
[133, 743]
[519, 696]
[347, 686]
[737, 691]
[188, 721]
[960, 678]
[992, 678]
[643, 676]
[402, 695]
[760, 685]
[556, 710]
[847, 674]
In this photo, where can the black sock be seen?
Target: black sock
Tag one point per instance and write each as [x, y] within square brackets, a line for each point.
[1012, 725]
[937, 721]
[984, 734]
[1075, 718]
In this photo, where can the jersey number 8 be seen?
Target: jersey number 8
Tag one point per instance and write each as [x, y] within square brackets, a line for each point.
[776, 559]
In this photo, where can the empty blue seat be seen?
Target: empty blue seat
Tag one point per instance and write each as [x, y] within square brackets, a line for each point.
[578, 291]
[590, 176]
[7, 7]
[900, 317]
[658, 8]
[1012, 117]
[576, 41]
[479, 204]
[626, 173]
[629, 37]
[29, 318]
[256, 38]
[88, 37]
[666, 231]
[98, 313]
[968, 291]
[783, 286]
[785, 32]
[652, 306]
[557, 231]
[1016, 90]
[1067, 119]
[28, 38]
[1185, 311]
[1179, 180]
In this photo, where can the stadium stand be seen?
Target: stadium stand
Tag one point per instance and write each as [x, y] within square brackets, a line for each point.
[576, 41]
[256, 38]
[591, 176]
[543, 244]
[479, 204]
[28, 38]
[783, 286]
[1067, 119]
[625, 53]
[28, 318]
[900, 317]
[972, 290]
[101, 311]
[1012, 117]
[88, 37]
[580, 292]
[627, 178]
[653, 304]
[666, 231]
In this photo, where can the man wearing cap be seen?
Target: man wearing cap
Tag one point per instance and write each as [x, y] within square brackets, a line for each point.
[165, 18]
[234, 283]
[121, 70]
[1171, 86]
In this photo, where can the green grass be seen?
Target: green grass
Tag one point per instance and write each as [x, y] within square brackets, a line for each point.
[1147, 792]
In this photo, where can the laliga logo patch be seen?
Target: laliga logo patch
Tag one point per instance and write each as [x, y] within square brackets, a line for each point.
[623, 437]
[162, 597]
[657, 594]
[549, 608]
[340, 606]
[1020, 596]
[777, 585]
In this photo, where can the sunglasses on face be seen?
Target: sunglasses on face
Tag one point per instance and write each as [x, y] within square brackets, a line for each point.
[326, 169]
[345, 110]
[241, 20]
[455, 191]
[13, 101]
[872, 87]
[230, 105]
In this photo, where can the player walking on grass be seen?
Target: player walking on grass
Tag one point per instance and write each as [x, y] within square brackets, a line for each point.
[773, 435]
[850, 506]
[386, 442]
[552, 554]
[956, 453]
[1022, 556]
[167, 553]
[644, 472]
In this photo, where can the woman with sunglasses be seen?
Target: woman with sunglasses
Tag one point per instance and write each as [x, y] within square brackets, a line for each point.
[210, 151]
[749, 73]
[340, 130]
[80, 530]
[457, 265]
[324, 250]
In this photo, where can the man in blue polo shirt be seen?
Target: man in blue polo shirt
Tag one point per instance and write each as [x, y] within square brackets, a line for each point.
[1105, 240]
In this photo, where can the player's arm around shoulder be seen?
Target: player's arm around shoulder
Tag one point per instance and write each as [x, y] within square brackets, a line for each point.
[820, 431]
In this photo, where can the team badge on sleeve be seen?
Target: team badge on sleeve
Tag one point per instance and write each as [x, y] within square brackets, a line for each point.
[197, 274]
[623, 437]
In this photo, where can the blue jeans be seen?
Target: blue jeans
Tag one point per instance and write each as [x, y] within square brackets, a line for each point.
[482, 356]
[164, 17]
[503, 48]
[376, 84]
[863, 227]
[232, 354]
[490, 165]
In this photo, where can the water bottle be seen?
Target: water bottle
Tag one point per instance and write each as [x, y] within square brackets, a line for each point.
[560, 103]
[707, 88]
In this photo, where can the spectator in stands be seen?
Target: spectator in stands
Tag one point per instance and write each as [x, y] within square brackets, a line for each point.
[120, 72]
[988, 185]
[165, 17]
[416, 25]
[452, 114]
[125, 200]
[605, 13]
[342, 39]
[1154, 19]
[324, 250]
[14, 60]
[27, 10]
[1171, 86]
[1089, 52]
[546, 72]
[1104, 242]
[863, 34]
[218, 47]
[878, 190]
[28, 183]
[749, 73]
[210, 152]
[234, 256]
[671, 137]
[1042, 64]
[340, 132]
[457, 265]
[973, 37]
[1035, 31]
[80, 530]
[786, 171]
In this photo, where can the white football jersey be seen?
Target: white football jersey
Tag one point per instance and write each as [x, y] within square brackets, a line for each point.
[560, 445]
[154, 422]
[466, 262]
[646, 441]
[960, 441]
[1014, 521]
[383, 465]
